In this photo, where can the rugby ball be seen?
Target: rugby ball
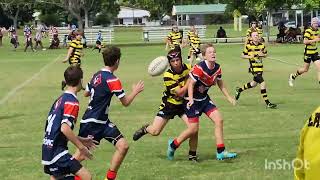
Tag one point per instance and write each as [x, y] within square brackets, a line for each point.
[158, 66]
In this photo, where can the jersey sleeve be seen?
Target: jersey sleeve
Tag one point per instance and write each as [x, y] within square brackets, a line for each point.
[307, 35]
[196, 73]
[245, 50]
[299, 172]
[88, 87]
[116, 87]
[70, 113]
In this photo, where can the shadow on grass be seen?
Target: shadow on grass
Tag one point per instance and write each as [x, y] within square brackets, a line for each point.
[10, 116]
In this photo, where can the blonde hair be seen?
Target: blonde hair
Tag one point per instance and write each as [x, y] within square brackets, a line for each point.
[204, 47]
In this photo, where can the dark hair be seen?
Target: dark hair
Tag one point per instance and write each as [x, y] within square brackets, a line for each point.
[73, 75]
[110, 55]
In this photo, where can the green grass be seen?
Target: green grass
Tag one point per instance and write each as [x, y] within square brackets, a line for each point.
[253, 131]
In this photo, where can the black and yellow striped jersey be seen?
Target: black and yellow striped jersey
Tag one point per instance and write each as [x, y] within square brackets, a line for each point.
[253, 49]
[250, 30]
[194, 39]
[307, 163]
[175, 38]
[311, 34]
[77, 50]
[172, 81]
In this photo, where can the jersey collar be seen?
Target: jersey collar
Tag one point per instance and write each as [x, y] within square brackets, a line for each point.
[69, 92]
[106, 70]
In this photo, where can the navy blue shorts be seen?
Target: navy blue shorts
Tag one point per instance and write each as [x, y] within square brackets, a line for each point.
[198, 107]
[108, 131]
[64, 166]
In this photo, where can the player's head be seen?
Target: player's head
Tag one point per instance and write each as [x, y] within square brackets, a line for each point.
[192, 28]
[254, 24]
[315, 23]
[208, 52]
[255, 36]
[78, 35]
[175, 28]
[111, 56]
[73, 76]
[175, 59]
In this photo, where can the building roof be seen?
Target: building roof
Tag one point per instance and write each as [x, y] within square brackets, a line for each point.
[199, 9]
[127, 12]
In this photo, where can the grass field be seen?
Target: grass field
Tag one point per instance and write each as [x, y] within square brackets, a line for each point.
[30, 82]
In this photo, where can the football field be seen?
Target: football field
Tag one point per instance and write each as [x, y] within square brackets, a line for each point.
[30, 82]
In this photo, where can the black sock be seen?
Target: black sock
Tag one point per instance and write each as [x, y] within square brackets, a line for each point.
[265, 96]
[99, 50]
[246, 86]
[174, 144]
[220, 149]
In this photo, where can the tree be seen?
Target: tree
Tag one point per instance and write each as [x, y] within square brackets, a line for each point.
[16, 8]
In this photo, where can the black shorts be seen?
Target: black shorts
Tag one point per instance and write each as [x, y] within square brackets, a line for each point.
[169, 111]
[313, 58]
[98, 42]
[29, 43]
[257, 77]
[63, 167]
[13, 41]
[108, 131]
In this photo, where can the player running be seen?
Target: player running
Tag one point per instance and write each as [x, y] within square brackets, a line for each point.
[174, 39]
[95, 121]
[254, 51]
[74, 54]
[193, 40]
[176, 84]
[204, 75]
[311, 37]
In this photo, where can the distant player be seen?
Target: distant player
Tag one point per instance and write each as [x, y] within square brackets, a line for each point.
[28, 38]
[13, 37]
[175, 81]
[39, 36]
[311, 38]
[193, 40]
[74, 53]
[95, 121]
[99, 40]
[307, 164]
[254, 51]
[254, 28]
[174, 39]
[62, 118]
[203, 75]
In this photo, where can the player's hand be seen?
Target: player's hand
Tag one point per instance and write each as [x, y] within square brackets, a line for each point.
[261, 54]
[84, 152]
[139, 87]
[190, 103]
[232, 101]
[89, 142]
[65, 60]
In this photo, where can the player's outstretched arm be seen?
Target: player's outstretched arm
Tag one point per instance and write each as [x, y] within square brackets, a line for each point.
[307, 41]
[190, 93]
[68, 55]
[225, 92]
[136, 89]
[67, 131]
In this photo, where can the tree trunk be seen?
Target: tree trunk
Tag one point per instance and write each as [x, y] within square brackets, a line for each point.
[86, 18]
[80, 23]
[15, 18]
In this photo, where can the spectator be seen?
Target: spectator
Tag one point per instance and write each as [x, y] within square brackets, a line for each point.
[282, 32]
[221, 33]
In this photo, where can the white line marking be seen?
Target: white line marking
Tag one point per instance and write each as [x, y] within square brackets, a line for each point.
[14, 91]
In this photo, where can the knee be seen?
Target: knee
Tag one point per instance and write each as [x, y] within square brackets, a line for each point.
[193, 130]
[218, 121]
[154, 132]
[123, 147]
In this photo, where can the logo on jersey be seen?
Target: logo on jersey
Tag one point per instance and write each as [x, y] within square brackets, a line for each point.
[97, 80]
